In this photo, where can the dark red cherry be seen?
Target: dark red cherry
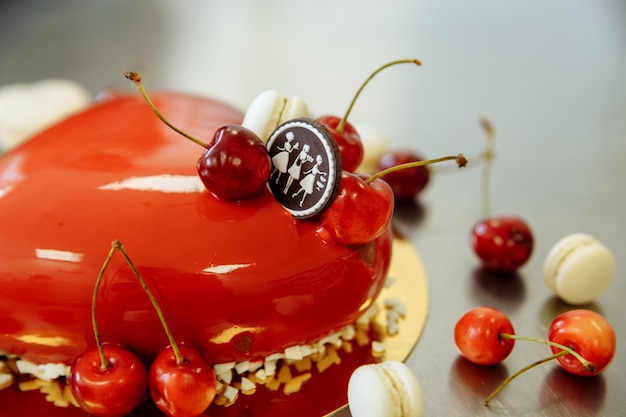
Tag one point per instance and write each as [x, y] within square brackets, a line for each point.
[406, 183]
[236, 166]
[348, 141]
[502, 243]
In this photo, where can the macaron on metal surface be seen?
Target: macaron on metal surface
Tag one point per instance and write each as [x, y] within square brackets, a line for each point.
[579, 268]
[269, 110]
[387, 389]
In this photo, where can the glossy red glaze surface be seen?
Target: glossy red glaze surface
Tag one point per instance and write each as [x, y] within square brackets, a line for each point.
[238, 280]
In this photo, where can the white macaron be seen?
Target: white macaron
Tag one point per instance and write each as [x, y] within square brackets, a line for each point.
[269, 110]
[387, 389]
[375, 145]
[579, 268]
[27, 109]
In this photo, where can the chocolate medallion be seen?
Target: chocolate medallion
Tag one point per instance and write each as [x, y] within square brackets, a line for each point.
[306, 167]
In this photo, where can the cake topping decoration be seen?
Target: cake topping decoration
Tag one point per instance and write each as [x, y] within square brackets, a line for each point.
[269, 110]
[306, 167]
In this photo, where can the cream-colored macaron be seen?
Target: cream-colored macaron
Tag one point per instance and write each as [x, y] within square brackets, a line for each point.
[27, 109]
[375, 145]
[269, 110]
[388, 389]
[579, 268]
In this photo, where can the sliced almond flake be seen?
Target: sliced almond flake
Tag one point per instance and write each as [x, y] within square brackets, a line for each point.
[393, 328]
[68, 396]
[396, 305]
[293, 353]
[390, 281]
[32, 384]
[332, 339]
[272, 385]
[307, 350]
[284, 374]
[25, 367]
[55, 394]
[367, 317]
[231, 393]
[226, 377]
[270, 367]
[303, 365]
[295, 384]
[378, 348]
[241, 367]
[54, 370]
[219, 386]
[362, 338]
[220, 400]
[331, 357]
[255, 365]
[6, 380]
[260, 376]
[348, 332]
[223, 367]
[275, 356]
[247, 385]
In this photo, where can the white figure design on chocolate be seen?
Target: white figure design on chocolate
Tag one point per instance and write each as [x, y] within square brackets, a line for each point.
[295, 169]
[307, 183]
[281, 159]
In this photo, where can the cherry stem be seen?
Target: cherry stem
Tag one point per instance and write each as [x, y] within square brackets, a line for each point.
[587, 365]
[342, 123]
[117, 245]
[521, 371]
[104, 361]
[488, 155]
[460, 161]
[136, 78]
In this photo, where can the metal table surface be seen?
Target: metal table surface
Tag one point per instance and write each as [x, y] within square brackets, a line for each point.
[551, 76]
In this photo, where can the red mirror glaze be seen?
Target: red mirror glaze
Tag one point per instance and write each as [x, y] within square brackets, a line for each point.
[236, 279]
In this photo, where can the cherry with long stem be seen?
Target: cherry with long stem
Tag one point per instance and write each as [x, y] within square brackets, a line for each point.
[488, 155]
[104, 361]
[234, 166]
[502, 243]
[459, 159]
[342, 123]
[136, 78]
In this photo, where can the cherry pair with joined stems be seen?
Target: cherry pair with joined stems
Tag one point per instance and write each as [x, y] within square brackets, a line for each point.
[581, 340]
[234, 166]
[110, 381]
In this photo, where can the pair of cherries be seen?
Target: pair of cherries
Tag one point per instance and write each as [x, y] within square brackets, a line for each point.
[582, 341]
[109, 380]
